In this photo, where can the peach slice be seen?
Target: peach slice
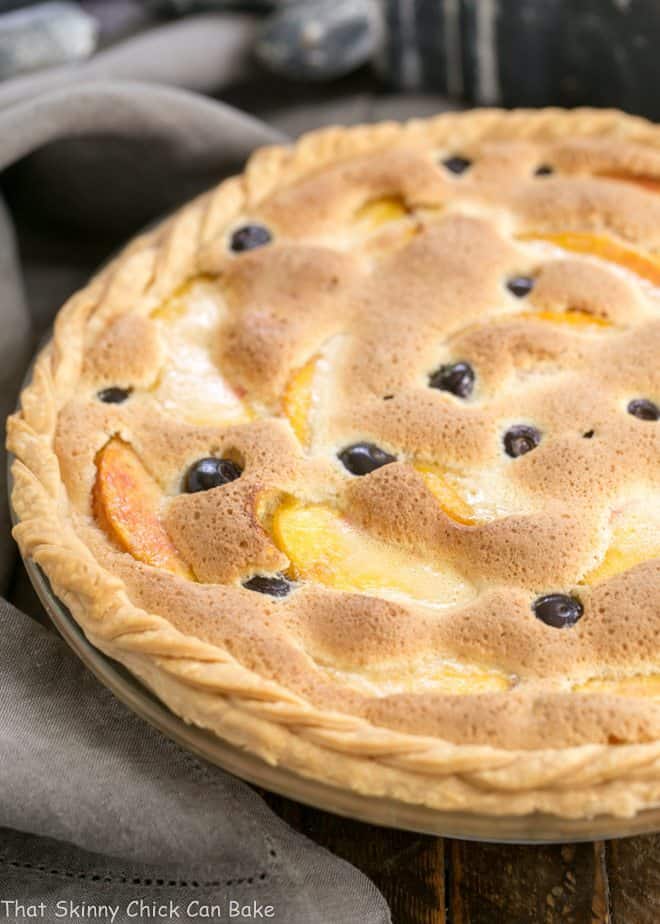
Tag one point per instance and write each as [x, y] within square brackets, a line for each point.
[298, 399]
[378, 212]
[574, 317]
[462, 680]
[642, 685]
[646, 182]
[126, 501]
[432, 675]
[385, 225]
[622, 555]
[323, 546]
[635, 539]
[446, 494]
[646, 266]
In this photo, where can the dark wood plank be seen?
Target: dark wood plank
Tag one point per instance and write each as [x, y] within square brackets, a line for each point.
[613, 883]
[601, 908]
[408, 868]
[633, 867]
[510, 884]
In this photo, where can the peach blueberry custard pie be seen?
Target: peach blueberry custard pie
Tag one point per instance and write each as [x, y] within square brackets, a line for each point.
[355, 460]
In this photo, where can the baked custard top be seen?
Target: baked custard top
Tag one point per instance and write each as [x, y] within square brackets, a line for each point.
[380, 421]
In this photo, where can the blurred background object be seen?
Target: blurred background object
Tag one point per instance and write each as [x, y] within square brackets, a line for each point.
[528, 52]
[488, 52]
[45, 35]
[320, 39]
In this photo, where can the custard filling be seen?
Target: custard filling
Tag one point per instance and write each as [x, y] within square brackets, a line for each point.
[191, 386]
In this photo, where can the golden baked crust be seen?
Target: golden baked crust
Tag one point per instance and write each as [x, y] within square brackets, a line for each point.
[384, 266]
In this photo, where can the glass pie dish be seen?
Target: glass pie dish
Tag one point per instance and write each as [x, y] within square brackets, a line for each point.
[381, 597]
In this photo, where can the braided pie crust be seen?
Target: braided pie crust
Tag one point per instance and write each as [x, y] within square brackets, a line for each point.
[408, 656]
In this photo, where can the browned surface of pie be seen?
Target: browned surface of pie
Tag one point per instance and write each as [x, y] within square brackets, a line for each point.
[492, 334]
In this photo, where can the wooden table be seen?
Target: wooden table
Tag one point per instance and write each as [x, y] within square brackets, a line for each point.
[430, 880]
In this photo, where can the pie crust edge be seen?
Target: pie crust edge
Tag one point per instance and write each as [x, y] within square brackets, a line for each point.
[203, 683]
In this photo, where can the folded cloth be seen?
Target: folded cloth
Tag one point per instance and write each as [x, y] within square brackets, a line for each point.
[98, 811]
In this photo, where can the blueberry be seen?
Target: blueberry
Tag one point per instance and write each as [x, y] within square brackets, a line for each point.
[114, 394]
[520, 439]
[558, 610]
[210, 473]
[457, 164]
[362, 458]
[457, 378]
[276, 586]
[544, 170]
[250, 237]
[643, 409]
[520, 286]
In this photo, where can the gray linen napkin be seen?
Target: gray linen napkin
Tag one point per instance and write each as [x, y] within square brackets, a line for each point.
[97, 810]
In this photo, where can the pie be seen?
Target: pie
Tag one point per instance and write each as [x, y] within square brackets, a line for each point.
[355, 460]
